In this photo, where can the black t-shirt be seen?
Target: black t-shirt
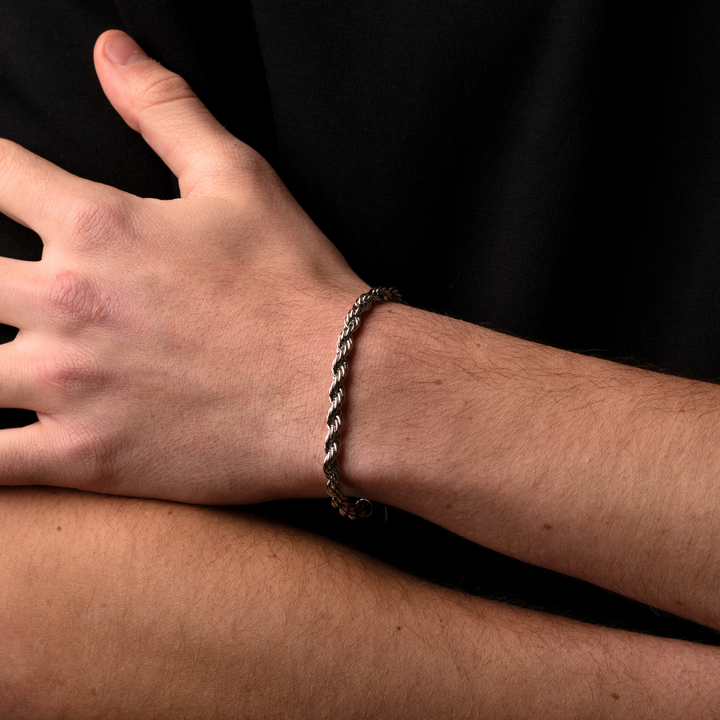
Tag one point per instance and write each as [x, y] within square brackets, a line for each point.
[549, 169]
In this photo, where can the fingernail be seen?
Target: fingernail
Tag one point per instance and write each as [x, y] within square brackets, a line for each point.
[123, 50]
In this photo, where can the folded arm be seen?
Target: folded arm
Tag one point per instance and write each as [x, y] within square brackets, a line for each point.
[182, 350]
[111, 607]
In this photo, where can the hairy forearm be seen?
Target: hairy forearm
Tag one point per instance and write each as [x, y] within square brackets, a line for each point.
[598, 470]
[124, 608]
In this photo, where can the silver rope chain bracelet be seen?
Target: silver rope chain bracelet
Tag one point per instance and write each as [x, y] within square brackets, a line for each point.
[361, 507]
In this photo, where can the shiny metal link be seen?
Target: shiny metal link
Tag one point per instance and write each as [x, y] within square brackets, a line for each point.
[347, 507]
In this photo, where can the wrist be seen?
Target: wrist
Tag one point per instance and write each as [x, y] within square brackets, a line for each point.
[405, 414]
[347, 507]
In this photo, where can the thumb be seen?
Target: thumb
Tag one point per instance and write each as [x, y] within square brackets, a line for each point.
[161, 106]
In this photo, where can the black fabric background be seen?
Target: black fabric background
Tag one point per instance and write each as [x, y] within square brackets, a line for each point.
[548, 169]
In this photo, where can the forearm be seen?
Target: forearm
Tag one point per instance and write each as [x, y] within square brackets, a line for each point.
[588, 467]
[144, 609]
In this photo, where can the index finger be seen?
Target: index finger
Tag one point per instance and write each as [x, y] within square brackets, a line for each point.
[35, 192]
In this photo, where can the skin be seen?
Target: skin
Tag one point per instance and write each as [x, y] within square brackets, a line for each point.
[136, 328]
[596, 470]
[139, 336]
[122, 608]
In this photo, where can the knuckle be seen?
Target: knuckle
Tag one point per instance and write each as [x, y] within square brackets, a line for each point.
[256, 182]
[71, 299]
[95, 222]
[248, 159]
[70, 372]
[161, 87]
[250, 163]
[88, 447]
[82, 453]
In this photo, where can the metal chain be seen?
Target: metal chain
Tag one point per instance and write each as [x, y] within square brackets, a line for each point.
[361, 507]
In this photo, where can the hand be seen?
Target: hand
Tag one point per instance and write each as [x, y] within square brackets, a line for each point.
[175, 349]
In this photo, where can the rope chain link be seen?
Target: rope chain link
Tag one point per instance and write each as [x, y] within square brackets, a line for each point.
[347, 507]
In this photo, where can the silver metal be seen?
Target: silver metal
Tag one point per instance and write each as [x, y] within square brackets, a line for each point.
[360, 507]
